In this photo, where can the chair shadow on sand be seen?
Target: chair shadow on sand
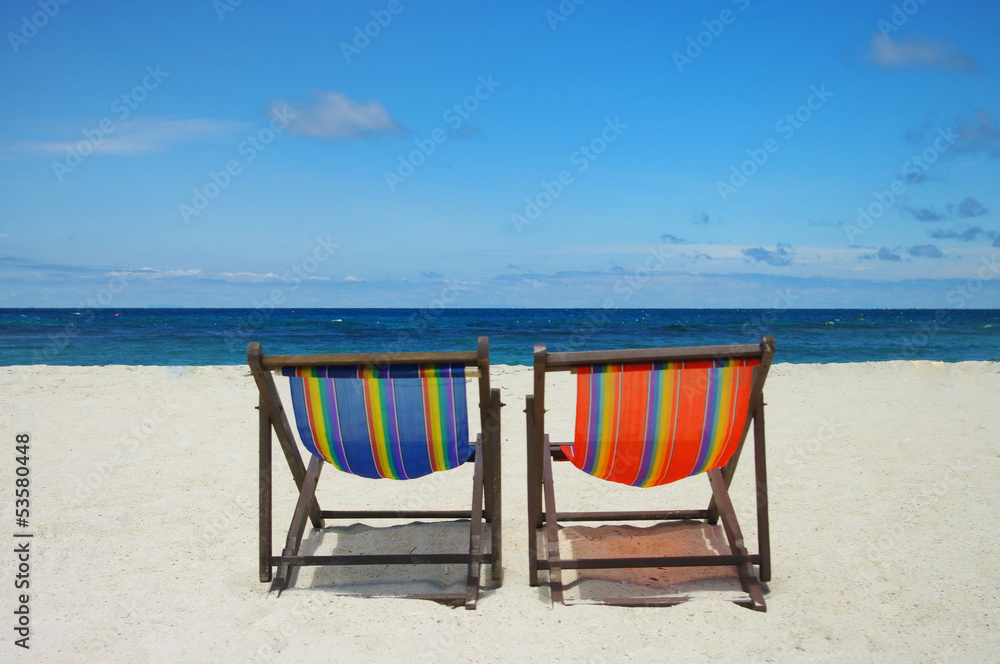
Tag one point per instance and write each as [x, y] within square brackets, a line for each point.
[674, 538]
[387, 581]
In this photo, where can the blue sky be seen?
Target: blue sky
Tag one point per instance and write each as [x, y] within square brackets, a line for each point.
[736, 153]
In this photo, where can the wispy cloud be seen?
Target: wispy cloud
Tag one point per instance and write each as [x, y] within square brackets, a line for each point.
[970, 207]
[926, 251]
[468, 132]
[672, 239]
[130, 138]
[886, 254]
[920, 177]
[823, 223]
[979, 134]
[261, 277]
[967, 235]
[35, 270]
[925, 214]
[334, 116]
[780, 257]
[152, 274]
[916, 51]
[32, 269]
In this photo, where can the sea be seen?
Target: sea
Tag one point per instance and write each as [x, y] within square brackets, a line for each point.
[187, 337]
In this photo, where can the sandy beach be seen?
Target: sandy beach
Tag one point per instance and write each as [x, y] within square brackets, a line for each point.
[144, 516]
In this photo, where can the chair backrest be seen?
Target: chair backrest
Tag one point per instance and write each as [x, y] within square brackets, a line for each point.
[395, 416]
[653, 416]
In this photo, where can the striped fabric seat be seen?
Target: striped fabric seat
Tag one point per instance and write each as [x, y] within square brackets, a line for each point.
[400, 421]
[651, 424]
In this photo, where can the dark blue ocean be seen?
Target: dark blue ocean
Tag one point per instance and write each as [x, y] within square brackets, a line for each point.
[220, 336]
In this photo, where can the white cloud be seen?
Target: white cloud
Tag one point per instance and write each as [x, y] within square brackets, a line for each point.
[732, 259]
[915, 51]
[352, 278]
[256, 277]
[133, 137]
[149, 273]
[332, 115]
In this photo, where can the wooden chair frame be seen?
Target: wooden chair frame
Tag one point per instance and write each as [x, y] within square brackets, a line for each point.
[543, 524]
[486, 482]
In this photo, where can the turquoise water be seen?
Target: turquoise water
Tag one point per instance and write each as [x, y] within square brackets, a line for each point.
[220, 336]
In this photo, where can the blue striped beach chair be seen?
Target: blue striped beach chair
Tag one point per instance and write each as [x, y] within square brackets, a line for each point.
[393, 416]
[646, 418]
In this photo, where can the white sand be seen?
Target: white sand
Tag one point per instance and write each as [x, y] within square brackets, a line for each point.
[883, 517]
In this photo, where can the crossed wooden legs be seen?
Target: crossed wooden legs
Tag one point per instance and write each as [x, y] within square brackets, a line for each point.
[486, 485]
[543, 525]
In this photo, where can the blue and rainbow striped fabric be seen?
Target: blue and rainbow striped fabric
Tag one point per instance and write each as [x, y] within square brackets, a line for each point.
[651, 424]
[400, 422]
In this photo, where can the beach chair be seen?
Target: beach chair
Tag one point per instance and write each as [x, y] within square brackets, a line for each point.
[395, 415]
[646, 418]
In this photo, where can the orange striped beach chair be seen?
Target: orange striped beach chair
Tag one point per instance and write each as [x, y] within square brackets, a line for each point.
[392, 415]
[645, 418]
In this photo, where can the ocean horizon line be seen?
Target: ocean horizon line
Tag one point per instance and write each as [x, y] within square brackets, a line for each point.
[449, 308]
[179, 336]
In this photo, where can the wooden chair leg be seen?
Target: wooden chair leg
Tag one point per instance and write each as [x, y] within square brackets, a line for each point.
[496, 527]
[298, 525]
[760, 466]
[264, 493]
[271, 402]
[551, 529]
[727, 473]
[760, 474]
[534, 494]
[485, 447]
[475, 531]
[731, 525]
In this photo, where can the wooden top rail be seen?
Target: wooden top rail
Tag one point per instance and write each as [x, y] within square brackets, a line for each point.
[470, 358]
[470, 372]
[568, 361]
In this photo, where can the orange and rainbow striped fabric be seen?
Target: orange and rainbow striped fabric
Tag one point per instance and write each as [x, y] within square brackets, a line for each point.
[399, 422]
[655, 423]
